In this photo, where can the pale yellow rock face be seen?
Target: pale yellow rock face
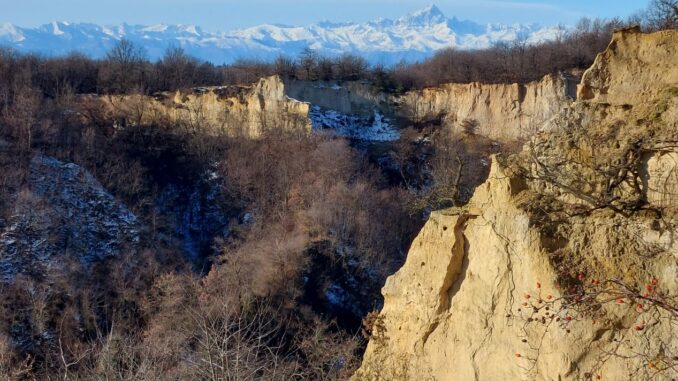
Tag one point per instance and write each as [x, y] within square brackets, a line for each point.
[235, 110]
[503, 111]
[441, 308]
[634, 68]
[456, 309]
[452, 311]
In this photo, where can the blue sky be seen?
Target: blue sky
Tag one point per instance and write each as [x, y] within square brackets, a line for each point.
[222, 15]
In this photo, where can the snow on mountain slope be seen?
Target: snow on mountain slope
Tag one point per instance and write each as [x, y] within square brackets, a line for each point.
[410, 38]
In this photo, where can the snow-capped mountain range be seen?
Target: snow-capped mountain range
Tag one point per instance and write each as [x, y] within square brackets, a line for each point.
[410, 38]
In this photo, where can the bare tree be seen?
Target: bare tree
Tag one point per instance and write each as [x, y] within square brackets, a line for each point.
[469, 126]
[350, 67]
[285, 67]
[308, 61]
[663, 14]
[176, 68]
[22, 116]
[237, 345]
[123, 68]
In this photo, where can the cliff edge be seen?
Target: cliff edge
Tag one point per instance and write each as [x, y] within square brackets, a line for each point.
[245, 111]
[564, 264]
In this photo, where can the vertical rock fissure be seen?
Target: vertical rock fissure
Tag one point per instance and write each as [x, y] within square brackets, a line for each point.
[456, 272]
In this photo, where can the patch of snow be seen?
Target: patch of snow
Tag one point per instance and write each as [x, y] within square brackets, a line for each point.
[294, 100]
[336, 87]
[192, 29]
[335, 295]
[376, 128]
[10, 32]
[212, 175]
[158, 28]
[56, 30]
[79, 218]
[247, 218]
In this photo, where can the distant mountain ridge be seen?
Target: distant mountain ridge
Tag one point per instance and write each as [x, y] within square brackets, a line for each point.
[412, 37]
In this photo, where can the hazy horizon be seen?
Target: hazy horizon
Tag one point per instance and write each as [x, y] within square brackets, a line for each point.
[225, 15]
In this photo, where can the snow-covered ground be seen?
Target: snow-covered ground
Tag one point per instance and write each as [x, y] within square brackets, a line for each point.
[375, 128]
[68, 213]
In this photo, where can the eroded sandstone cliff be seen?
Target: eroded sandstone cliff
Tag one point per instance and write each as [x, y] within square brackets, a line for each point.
[564, 265]
[501, 111]
[504, 112]
[233, 110]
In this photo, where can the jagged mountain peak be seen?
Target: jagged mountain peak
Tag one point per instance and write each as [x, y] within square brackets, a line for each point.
[425, 16]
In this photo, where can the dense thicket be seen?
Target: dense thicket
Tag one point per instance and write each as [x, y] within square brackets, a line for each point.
[311, 219]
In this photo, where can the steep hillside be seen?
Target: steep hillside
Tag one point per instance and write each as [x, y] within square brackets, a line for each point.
[564, 264]
[66, 211]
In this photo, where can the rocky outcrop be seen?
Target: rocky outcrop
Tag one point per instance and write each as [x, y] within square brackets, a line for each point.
[461, 308]
[635, 67]
[232, 110]
[500, 111]
[64, 214]
[564, 264]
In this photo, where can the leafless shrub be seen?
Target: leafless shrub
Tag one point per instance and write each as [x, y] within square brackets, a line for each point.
[449, 165]
[593, 301]
[21, 116]
[469, 126]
